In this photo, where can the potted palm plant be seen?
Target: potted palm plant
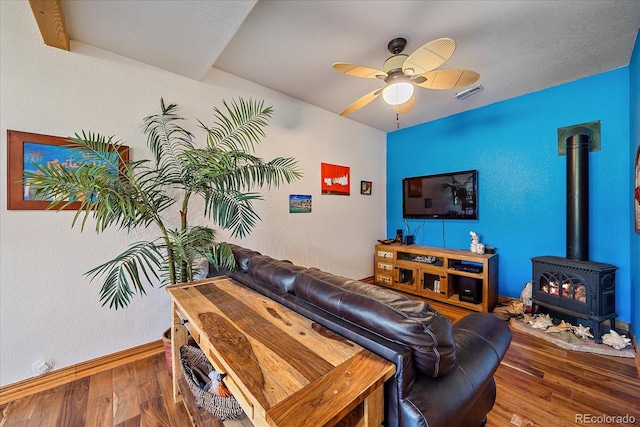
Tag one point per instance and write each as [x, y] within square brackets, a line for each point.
[224, 173]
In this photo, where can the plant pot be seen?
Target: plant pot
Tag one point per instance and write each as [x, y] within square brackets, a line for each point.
[168, 356]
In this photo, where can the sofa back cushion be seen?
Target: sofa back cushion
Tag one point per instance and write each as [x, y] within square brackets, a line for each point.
[407, 321]
[242, 256]
[275, 273]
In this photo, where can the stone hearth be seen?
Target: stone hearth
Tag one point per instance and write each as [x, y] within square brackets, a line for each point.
[569, 341]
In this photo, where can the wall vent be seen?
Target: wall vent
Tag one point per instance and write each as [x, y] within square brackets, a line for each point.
[467, 93]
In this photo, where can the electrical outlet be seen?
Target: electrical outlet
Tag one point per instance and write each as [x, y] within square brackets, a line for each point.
[42, 366]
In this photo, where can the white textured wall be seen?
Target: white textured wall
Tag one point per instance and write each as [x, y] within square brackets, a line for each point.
[47, 307]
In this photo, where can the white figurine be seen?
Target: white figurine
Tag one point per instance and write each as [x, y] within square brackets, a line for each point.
[474, 242]
[476, 247]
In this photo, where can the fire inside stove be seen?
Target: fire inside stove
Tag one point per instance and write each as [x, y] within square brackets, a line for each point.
[566, 287]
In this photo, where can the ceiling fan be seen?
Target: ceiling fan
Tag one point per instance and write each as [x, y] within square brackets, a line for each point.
[403, 72]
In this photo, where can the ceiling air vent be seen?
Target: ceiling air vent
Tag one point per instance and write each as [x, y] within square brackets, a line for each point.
[467, 93]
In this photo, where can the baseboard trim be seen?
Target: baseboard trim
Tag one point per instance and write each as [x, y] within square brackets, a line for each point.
[14, 391]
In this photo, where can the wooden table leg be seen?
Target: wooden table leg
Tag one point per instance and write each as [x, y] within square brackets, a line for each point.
[374, 407]
[179, 338]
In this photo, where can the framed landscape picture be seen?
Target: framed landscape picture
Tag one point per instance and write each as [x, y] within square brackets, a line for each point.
[299, 203]
[25, 149]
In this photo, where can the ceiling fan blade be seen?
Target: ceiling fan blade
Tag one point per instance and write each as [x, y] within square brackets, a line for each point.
[406, 107]
[361, 102]
[359, 70]
[429, 57]
[447, 79]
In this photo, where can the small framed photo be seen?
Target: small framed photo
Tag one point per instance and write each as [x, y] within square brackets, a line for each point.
[365, 187]
[299, 203]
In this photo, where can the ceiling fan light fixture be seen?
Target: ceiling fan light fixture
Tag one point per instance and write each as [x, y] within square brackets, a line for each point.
[397, 93]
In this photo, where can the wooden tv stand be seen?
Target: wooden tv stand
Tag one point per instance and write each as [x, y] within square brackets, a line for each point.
[438, 273]
[283, 369]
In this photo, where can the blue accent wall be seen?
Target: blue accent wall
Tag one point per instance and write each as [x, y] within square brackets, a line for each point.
[634, 84]
[514, 146]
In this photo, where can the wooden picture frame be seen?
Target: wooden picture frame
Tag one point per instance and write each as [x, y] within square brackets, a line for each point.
[48, 149]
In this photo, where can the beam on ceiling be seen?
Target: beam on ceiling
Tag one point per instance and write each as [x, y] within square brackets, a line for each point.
[50, 18]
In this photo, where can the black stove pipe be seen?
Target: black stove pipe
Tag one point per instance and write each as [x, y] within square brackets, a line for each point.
[578, 194]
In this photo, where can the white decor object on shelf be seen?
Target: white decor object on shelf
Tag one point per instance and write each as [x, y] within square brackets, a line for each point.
[476, 247]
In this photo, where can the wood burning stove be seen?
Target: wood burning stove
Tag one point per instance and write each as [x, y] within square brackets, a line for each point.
[574, 285]
[582, 289]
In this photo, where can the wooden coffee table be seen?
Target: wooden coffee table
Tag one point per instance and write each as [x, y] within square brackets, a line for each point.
[283, 369]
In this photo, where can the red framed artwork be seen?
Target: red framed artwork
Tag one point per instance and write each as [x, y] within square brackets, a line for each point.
[335, 179]
[25, 149]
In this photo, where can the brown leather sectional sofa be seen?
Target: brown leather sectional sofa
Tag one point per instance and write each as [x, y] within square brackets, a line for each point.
[444, 372]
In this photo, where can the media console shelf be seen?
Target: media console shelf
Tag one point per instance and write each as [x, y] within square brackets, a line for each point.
[453, 276]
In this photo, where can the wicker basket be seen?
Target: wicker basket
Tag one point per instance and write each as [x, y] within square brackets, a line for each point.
[224, 408]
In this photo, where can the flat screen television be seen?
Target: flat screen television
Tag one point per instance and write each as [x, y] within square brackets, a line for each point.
[452, 195]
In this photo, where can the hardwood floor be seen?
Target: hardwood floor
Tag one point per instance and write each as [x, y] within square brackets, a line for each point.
[135, 394]
[538, 385]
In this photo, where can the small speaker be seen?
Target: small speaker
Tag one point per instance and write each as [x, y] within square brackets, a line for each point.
[398, 235]
[469, 289]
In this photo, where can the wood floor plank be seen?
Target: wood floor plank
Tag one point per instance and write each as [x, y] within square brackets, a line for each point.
[153, 413]
[176, 413]
[74, 404]
[48, 407]
[125, 394]
[146, 380]
[20, 411]
[100, 400]
[131, 422]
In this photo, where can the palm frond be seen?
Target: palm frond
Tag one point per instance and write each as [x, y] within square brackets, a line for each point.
[239, 170]
[140, 260]
[167, 140]
[221, 257]
[188, 246]
[101, 149]
[232, 210]
[240, 127]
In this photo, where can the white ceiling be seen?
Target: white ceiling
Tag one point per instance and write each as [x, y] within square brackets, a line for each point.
[518, 47]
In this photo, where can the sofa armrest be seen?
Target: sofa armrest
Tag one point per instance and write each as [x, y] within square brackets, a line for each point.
[468, 390]
[489, 327]
[483, 339]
